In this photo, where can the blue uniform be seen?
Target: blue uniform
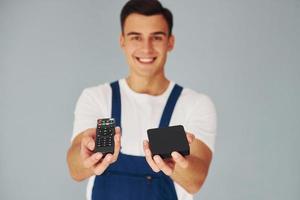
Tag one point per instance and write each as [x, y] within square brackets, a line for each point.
[130, 177]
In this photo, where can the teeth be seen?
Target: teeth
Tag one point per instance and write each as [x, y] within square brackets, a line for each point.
[146, 60]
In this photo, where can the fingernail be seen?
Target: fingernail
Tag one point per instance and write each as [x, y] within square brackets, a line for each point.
[147, 152]
[98, 156]
[108, 157]
[91, 145]
[175, 155]
[97, 173]
[156, 159]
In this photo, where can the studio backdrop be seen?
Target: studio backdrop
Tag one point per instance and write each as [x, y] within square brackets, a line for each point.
[244, 54]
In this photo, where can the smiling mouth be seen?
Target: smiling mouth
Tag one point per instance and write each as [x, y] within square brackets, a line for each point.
[146, 60]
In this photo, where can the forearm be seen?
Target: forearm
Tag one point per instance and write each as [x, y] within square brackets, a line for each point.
[77, 171]
[192, 177]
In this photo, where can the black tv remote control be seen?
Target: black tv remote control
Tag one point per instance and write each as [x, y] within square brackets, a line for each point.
[105, 133]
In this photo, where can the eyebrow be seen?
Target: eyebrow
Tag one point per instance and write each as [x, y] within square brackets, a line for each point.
[133, 33]
[154, 33]
[159, 33]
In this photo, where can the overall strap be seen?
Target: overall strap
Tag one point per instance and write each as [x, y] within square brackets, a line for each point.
[169, 108]
[167, 113]
[116, 103]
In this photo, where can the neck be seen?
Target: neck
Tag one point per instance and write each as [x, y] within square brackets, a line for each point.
[152, 86]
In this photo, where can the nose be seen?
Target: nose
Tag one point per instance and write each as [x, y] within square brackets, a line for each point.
[147, 46]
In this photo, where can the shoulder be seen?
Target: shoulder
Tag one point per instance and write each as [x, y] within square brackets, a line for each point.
[200, 116]
[94, 97]
[92, 104]
[196, 99]
[96, 91]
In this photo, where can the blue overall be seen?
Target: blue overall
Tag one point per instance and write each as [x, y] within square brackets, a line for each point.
[130, 177]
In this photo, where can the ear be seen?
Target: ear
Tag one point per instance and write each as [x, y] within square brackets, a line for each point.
[122, 40]
[171, 42]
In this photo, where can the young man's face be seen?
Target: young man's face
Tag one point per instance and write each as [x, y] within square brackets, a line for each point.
[146, 42]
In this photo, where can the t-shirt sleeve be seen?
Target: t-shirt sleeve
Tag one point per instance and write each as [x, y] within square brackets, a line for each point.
[202, 121]
[87, 111]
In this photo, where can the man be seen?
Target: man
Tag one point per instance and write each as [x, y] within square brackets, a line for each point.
[133, 172]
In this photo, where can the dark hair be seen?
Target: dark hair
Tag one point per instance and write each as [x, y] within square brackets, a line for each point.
[148, 8]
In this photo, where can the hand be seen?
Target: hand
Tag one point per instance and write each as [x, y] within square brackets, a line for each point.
[93, 160]
[167, 166]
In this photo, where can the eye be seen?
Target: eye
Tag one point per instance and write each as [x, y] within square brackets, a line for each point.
[136, 38]
[157, 38]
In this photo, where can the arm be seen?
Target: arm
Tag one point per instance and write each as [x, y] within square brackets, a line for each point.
[82, 162]
[190, 171]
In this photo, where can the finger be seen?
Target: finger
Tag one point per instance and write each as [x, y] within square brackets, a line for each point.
[162, 165]
[117, 139]
[148, 156]
[190, 137]
[118, 130]
[92, 160]
[91, 132]
[170, 162]
[99, 168]
[179, 159]
[87, 146]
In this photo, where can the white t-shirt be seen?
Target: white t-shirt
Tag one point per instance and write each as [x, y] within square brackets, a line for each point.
[193, 110]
